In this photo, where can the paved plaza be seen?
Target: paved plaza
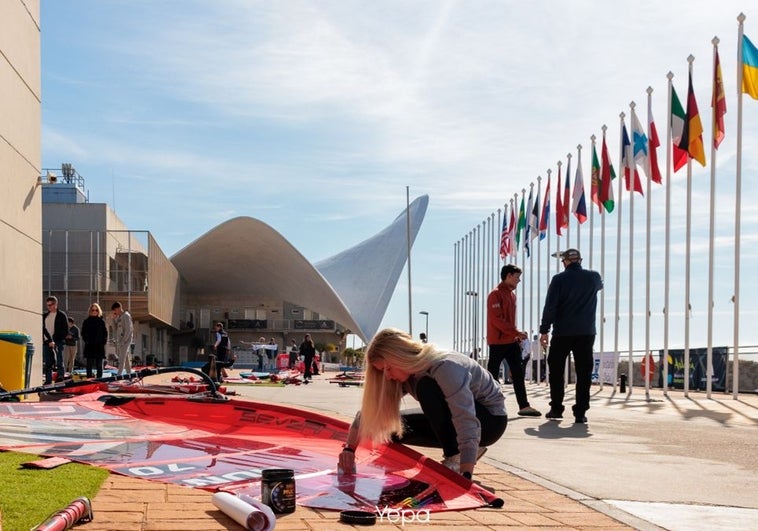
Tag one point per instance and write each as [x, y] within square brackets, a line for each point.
[667, 462]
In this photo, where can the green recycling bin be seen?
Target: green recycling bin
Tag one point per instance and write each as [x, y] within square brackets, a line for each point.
[13, 360]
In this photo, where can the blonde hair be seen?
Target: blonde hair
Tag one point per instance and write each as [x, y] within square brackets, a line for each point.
[97, 307]
[380, 410]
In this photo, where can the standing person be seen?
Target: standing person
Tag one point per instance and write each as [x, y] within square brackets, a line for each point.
[261, 351]
[222, 349]
[124, 332]
[308, 351]
[72, 346]
[54, 330]
[463, 409]
[293, 354]
[95, 336]
[272, 351]
[570, 307]
[504, 339]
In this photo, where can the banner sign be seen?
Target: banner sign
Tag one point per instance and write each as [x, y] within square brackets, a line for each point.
[313, 324]
[698, 368]
[254, 324]
[605, 367]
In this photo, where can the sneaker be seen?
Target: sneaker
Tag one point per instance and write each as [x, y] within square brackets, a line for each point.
[581, 419]
[553, 415]
[529, 411]
[453, 462]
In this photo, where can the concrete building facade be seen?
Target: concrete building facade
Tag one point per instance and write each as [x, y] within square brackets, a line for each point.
[20, 164]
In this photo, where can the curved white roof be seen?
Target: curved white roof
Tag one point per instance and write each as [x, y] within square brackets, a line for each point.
[353, 287]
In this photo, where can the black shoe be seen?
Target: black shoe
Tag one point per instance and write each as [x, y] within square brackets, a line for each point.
[581, 419]
[553, 415]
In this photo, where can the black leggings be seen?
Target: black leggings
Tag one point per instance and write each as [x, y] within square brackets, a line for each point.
[433, 426]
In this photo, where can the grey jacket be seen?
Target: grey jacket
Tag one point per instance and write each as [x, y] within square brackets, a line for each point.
[463, 382]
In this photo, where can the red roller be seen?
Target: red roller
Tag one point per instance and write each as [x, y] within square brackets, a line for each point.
[79, 510]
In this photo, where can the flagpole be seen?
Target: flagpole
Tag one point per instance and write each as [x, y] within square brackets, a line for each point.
[567, 204]
[408, 241]
[523, 261]
[592, 209]
[737, 216]
[455, 296]
[632, 183]
[579, 174]
[687, 258]
[711, 227]
[531, 264]
[558, 211]
[566, 213]
[618, 247]
[539, 254]
[602, 270]
[648, 209]
[547, 274]
[666, 250]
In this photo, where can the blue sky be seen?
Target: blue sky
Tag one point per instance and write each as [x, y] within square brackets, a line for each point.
[315, 116]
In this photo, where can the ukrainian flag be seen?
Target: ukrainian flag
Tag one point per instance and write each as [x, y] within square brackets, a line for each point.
[749, 68]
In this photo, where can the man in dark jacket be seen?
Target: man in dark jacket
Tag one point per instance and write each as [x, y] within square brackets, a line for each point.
[54, 332]
[570, 307]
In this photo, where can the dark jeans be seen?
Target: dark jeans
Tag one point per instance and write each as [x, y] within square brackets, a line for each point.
[433, 427]
[581, 347]
[53, 358]
[511, 353]
[97, 364]
[308, 359]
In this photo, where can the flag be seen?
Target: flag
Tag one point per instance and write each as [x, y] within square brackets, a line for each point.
[679, 155]
[749, 68]
[653, 143]
[718, 102]
[534, 217]
[558, 204]
[693, 142]
[628, 162]
[607, 174]
[639, 153]
[528, 224]
[545, 218]
[578, 203]
[512, 233]
[504, 251]
[595, 180]
[566, 210]
[521, 223]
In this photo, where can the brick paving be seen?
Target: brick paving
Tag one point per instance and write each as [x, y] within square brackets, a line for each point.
[127, 504]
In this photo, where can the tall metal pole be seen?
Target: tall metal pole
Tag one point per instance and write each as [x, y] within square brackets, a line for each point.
[408, 241]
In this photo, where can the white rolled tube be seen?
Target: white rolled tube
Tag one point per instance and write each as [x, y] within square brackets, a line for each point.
[248, 512]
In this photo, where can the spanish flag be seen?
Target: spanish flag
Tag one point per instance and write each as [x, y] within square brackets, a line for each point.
[749, 68]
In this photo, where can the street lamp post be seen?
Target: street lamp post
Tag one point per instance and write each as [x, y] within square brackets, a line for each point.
[475, 295]
[426, 327]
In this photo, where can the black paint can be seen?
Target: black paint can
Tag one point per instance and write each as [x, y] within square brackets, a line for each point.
[278, 489]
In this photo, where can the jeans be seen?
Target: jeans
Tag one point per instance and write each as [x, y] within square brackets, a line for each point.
[511, 353]
[581, 346]
[53, 357]
[433, 427]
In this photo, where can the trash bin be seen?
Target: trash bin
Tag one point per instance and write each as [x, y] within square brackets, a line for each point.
[14, 364]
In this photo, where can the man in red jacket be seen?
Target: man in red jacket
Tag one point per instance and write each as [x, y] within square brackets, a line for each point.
[504, 339]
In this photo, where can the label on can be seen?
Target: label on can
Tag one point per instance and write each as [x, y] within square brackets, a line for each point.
[278, 490]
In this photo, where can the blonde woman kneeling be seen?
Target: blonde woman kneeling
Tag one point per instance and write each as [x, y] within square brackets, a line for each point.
[462, 407]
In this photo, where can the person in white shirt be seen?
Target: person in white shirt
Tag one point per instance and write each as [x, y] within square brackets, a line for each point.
[124, 336]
